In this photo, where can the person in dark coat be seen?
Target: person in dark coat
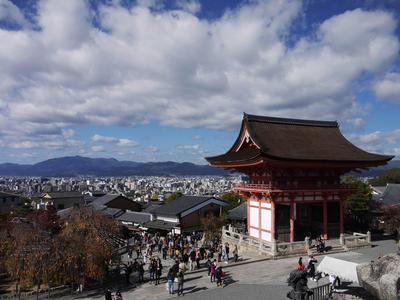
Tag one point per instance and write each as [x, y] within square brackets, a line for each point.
[219, 275]
[180, 283]
[107, 294]
[140, 271]
[159, 267]
[311, 267]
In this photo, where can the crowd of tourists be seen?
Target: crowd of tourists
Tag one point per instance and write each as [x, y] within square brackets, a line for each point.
[147, 252]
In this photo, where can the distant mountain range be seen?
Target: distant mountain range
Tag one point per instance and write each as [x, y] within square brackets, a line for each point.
[78, 165]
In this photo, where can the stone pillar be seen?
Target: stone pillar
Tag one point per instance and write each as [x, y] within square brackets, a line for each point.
[341, 239]
[368, 237]
[274, 248]
[307, 243]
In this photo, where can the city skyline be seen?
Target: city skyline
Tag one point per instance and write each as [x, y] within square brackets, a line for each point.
[169, 80]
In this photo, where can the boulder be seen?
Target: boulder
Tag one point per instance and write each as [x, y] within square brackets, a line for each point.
[381, 278]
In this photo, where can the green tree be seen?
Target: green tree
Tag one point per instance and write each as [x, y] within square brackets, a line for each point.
[358, 216]
[388, 176]
[172, 197]
[360, 200]
[232, 199]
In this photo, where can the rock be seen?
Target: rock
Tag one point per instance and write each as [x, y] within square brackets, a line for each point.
[381, 277]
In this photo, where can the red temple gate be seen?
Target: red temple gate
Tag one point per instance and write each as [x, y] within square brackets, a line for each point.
[293, 169]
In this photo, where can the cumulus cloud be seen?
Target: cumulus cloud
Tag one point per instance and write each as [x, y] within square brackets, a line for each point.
[145, 63]
[388, 88]
[97, 138]
[378, 141]
[191, 6]
[98, 148]
[357, 122]
[152, 149]
[11, 13]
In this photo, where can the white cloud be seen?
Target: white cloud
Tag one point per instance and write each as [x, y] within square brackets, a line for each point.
[191, 6]
[11, 13]
[196, 149]
[357, 122]
[97, 138]
[152, 149]
[149, 64]
[98, 148]
[378, 141]
[388, 88]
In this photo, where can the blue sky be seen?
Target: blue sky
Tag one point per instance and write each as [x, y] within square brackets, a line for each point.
[157, 80]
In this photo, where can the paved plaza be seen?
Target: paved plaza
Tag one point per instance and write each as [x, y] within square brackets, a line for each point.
[255, 279]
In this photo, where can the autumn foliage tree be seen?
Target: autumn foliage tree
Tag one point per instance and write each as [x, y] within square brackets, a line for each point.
[86, 244]
[45, 250]
[212, 226]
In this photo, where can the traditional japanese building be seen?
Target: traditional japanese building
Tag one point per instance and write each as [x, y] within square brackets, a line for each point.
[293, 169]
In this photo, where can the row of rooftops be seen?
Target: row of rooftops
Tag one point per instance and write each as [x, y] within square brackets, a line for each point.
[148, 216]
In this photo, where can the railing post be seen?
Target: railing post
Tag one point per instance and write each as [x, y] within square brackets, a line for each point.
[368, 237]
[341, 239]
[274, 248]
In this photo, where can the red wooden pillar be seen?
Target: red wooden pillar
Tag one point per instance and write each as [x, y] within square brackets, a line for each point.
[341, 215]
[272, 220]
[325, 216]
[291, 220]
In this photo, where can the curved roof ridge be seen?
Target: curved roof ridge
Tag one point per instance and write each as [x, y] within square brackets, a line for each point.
[267, 119]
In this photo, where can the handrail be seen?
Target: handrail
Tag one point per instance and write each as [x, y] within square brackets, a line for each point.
[320, 292]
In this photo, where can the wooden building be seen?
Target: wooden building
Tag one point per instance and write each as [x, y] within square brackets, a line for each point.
[116, 201]
[184, 214]
[61, 200]
[293, 169]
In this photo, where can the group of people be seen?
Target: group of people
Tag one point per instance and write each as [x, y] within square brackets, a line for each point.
[189, 253]
[299, 277]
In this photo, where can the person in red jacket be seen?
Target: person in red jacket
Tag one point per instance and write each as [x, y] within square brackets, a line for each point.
[300, 265]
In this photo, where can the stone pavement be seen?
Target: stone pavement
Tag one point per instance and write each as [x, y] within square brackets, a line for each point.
[264, 279]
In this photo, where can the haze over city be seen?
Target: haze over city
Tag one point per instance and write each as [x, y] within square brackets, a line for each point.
[154, 80]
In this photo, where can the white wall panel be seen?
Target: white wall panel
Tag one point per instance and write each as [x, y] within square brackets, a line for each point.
[254, 217]
[254, 203]
[266, 236]
[266, 219]
[266, 205]
[254, 233]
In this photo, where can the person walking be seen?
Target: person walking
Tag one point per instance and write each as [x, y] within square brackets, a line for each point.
[140, 271]
[159, 267]
[108, 294]
[192, 258]
[300, 265]
[226, 253]
[213, 270]
[235, 253]
[219, 275]
[170, 281]
[180, 282]
[311, 267]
